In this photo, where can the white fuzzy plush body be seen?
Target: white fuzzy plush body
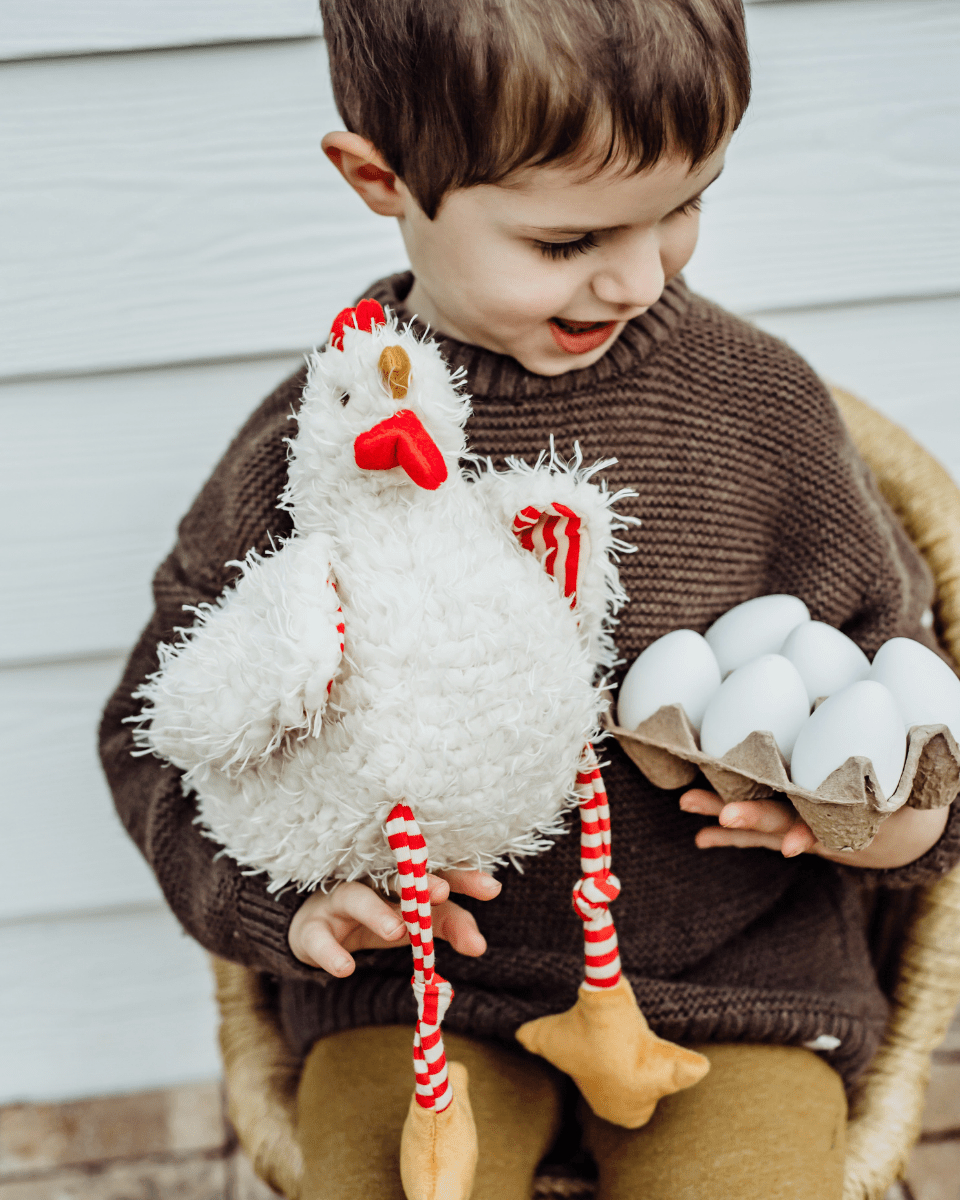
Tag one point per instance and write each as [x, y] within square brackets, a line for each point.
[466, 686]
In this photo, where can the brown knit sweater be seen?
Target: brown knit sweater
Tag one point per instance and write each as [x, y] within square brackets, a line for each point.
[748, 484]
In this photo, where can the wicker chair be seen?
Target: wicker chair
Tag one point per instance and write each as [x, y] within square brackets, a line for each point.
[261, 1072]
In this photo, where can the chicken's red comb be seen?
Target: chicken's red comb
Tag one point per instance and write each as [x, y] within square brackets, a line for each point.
[365, 316]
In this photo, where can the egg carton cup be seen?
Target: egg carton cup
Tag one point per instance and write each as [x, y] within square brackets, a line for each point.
[844, 812]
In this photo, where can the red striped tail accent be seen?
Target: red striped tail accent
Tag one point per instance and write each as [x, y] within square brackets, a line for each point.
[433, 992]
[553, 535]
[597, 887]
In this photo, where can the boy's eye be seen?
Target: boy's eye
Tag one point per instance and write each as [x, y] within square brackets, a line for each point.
[567, 249]
[691, 206]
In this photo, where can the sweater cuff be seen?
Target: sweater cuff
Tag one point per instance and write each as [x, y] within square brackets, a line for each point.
[942, 856]
[265, 922]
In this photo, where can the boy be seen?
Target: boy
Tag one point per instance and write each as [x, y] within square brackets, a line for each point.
[546, 162]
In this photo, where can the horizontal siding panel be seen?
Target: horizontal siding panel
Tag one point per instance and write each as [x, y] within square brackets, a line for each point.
[176, 206]
[903, 358]
[116, 1002]
[95, 473]
[63, 847]
[40, 28]
[843, 183]
[37, 28]
[173, 207]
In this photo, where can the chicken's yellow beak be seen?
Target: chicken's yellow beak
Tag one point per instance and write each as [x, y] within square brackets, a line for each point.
[394, 367]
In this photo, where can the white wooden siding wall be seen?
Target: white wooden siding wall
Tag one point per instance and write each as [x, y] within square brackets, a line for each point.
[174, 241]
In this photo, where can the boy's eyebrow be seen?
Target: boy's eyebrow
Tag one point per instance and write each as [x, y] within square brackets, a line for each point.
[580, 230]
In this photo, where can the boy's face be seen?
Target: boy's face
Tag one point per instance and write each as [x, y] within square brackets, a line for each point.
[549, 266]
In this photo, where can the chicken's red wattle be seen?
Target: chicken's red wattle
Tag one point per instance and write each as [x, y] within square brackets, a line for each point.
[402, 441]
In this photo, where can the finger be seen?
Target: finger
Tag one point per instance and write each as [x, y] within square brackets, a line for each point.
[699, 800]
[319, 948]
[458, 927]
[800, 839]
[438, 887]
[715, 838]
[357, 902]
[759, 816]
[477, 884]
[360, 938]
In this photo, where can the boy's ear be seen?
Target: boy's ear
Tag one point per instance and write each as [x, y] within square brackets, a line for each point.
[366, 172]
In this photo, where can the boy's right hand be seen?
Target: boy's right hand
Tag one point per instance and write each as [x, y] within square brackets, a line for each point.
[354, 917]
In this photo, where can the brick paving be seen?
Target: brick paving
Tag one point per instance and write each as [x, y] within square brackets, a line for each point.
[177, 1144]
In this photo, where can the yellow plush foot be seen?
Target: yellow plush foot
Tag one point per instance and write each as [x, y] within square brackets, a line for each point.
[620, 1066]
[438, 1151]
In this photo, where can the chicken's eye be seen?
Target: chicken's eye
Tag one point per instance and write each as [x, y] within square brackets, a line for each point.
[344, 399]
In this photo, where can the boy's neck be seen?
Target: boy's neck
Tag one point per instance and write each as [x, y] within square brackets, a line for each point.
[419, 303]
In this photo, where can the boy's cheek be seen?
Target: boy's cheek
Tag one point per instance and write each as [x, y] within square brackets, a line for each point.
[534, 294]
[513, 285]
[678, 252]
[516, 311]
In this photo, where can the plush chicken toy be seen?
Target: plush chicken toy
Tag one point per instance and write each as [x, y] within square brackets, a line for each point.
[409, 683]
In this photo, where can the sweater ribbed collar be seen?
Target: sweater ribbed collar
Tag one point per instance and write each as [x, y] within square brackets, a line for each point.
[493, 375]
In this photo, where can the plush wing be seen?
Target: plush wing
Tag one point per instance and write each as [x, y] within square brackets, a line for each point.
[256, 667]
[568, 523]
[555, 536]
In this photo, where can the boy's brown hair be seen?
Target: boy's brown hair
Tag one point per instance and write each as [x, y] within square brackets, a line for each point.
[455, 93]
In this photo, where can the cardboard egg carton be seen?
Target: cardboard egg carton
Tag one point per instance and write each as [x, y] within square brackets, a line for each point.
[846, 809]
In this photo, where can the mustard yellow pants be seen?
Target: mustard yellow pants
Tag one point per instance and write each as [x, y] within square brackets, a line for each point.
[767, 1123]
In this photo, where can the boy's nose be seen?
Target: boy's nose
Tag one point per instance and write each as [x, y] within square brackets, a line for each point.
[634, 277]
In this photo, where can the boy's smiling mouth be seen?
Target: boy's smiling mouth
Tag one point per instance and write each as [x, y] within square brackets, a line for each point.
[580, 337]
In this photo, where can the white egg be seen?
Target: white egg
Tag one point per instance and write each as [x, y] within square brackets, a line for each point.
[862, 719]
[678, 668]
[767, 693]
[755, 627]
[826, 658]
[926, 691]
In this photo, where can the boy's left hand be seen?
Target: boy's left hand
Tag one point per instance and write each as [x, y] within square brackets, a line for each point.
[776, 825]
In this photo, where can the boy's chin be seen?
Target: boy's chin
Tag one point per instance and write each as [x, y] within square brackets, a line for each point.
[554, 361]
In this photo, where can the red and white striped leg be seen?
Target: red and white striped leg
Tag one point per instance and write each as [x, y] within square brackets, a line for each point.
[604, 1042]
[597, 886]
[433, 992]
[438, 1146]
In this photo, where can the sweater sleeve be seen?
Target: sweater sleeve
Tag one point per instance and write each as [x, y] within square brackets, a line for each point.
[229, 912]
[917, 594]
[873, 583]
